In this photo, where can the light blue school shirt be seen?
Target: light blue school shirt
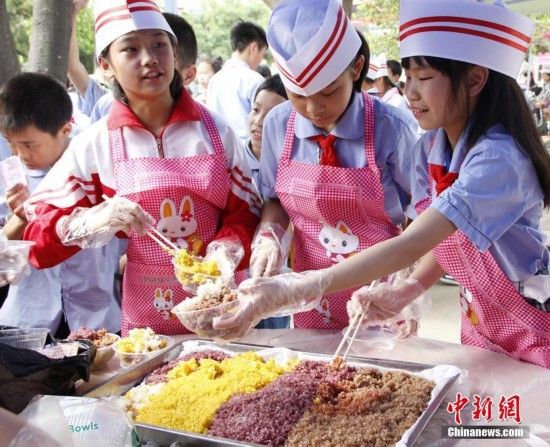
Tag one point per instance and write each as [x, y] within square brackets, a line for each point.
[496, 201]
[253, 162]
[394, 139]
[5, 152]
[82, 287]
[231, 93]
[92, 103]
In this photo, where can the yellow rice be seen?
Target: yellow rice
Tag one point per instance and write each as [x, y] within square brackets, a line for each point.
[190, 399]
[193, 270]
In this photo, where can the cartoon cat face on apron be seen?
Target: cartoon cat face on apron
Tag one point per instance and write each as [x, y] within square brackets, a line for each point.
[186, 197]
[336, 212]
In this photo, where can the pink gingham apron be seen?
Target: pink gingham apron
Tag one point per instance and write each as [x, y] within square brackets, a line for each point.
[496, 316]
[150, 288]
[316, 195]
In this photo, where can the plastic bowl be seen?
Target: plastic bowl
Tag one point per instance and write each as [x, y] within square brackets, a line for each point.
[30, 338]
[128, 359]
[104, 353]
[201, 321]
[373, 337]
[15, 256]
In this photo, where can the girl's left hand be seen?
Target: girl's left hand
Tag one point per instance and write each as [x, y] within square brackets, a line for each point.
[15, 197]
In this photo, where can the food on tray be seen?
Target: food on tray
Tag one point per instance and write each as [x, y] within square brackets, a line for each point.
[374, 408]
[177, 405]
[141, 340]
[99, 338]
[191, 269]
[246, 398]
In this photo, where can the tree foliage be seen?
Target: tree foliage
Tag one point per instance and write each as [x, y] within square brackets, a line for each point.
[213, 24]
[382, 22]
[382, 27]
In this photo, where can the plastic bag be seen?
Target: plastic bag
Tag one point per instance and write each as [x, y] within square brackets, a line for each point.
[81, 421]
[15, 431]
[24, 373]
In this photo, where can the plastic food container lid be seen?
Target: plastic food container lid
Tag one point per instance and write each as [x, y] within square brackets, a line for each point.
[373, 337]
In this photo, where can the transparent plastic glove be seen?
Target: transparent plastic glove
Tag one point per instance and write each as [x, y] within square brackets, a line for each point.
[228, 253]
[96, 226]
[270, 249]
[14, 260]
[384, 301]
[276, 296]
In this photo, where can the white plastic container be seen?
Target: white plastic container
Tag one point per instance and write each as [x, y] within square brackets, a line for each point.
[12, 173]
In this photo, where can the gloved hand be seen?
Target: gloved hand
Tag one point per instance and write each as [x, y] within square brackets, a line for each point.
[13, 260]
[384, 301]
[96, 226]
[228, 253]
[276, 296]
[270, 249]
[15, 197]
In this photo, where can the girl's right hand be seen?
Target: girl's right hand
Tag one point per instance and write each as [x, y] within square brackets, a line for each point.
[15, 197]
[96, 226]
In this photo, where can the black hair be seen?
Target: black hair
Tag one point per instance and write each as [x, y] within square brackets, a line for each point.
[186, 48]
[264, 71]
[395, 67]
[215, 62]
[35, 99]
[365, 52]
[273, 84]
[176, 85]
[500, 102]
[244, 33]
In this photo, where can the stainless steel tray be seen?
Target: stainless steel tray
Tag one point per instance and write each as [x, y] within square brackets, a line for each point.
[126, 379]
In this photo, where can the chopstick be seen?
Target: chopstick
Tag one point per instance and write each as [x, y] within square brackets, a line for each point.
[361, 315]
[354, 326]
[152, 231]
[351, 327]
[165, 243]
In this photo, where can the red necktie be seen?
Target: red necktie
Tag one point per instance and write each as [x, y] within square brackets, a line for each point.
[329, 156]
[442, 178]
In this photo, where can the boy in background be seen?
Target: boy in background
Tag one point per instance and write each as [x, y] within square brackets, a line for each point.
[231, 91]
[35, 114]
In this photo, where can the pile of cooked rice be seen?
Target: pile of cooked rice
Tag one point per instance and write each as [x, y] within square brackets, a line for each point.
[303, 403]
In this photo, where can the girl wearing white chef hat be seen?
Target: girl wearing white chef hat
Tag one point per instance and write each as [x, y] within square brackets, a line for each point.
[335, 162]
[161, 157]
[483, 187]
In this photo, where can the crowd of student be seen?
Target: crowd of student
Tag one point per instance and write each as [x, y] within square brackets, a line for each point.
[327, 162]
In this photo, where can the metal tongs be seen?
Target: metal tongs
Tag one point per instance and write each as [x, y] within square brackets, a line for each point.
[354, 326]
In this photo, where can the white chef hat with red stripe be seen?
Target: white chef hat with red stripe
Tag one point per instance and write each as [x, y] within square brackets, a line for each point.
[382, 63]
[312, 42]
[486, 34]
[114, 18]
[373, 68]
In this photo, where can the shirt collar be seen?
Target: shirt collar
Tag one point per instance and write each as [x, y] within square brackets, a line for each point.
[253, 162]
[351, 125]
[441, 154]
[122, 115]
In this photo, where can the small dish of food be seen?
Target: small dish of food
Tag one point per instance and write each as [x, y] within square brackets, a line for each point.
[139, 345]
[213, 300]
[102, 340]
